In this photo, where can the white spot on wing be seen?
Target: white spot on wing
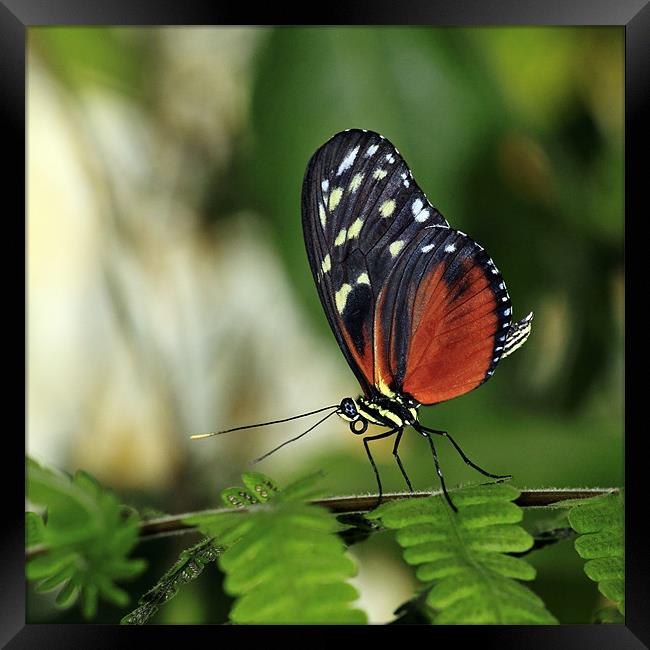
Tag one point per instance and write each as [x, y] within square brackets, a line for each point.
[450, 248]
[347, 161]
[423, 215]
[372, 150]
[427, 248]
[325, 185]
[417, 206]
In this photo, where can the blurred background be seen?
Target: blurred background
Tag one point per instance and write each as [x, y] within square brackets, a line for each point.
[169, 291]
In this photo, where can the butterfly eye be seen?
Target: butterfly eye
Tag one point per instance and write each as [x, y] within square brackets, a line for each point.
[359, 426]
[348, 408]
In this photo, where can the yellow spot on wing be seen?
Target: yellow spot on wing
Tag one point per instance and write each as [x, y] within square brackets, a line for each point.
[327, 263]
[379, 174]
[387, 208]
[396, 247]
[355, 182]
[340, 238]
[355, 229]
[341, 297]
[321, 213]
[363, 279]
[335, 197]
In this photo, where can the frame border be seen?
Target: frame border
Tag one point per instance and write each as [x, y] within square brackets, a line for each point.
[634, 15]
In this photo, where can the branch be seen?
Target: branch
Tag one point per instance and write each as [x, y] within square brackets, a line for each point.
[174, 525]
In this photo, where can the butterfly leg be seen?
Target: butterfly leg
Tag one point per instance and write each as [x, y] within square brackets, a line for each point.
[463, 456]
[427, 435]
[399, 460]
[372, 462]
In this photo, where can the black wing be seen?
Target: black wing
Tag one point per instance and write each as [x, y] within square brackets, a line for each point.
[361, 209]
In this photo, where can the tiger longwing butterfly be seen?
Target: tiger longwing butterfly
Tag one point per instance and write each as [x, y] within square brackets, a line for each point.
[419, 309]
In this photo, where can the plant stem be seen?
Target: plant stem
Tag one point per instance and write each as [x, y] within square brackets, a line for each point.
[174, 524]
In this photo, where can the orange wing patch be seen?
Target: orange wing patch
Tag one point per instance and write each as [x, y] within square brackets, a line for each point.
[453, 336]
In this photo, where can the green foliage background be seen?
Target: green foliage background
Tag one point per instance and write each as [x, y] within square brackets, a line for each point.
[515, 134]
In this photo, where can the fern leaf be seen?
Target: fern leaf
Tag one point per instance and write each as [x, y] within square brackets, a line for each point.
[599, 523]
[461, 555]
[283, 560]
[88, 537]
[187, 568]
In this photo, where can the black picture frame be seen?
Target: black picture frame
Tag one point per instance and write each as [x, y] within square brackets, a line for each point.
[632, 15]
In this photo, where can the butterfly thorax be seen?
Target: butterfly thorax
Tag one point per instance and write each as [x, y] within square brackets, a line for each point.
[381, 410]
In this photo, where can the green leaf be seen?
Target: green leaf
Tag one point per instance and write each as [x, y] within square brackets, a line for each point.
[187, 568]
[461, 556]
[283, 560]
[88, 537]
[238, 497]
[34, 528]
[599, 523]
[89, 601]
[260, 485]
[68, 595]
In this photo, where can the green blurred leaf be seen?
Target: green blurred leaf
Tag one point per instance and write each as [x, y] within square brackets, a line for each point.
[34, 528]
[97, 56]
[88, 537]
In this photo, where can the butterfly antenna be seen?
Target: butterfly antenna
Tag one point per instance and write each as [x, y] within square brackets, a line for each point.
[304, 433]
[198, 436]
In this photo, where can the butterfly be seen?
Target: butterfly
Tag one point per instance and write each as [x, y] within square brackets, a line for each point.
[419, 309]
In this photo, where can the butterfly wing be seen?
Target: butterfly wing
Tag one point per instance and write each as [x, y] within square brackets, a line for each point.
[445, 315]
[416, 306]
[358, 199]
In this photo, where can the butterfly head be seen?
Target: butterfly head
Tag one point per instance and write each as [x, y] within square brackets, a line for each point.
[349, 411]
